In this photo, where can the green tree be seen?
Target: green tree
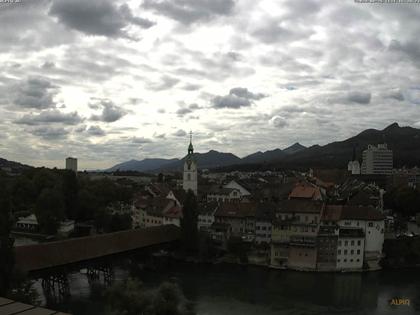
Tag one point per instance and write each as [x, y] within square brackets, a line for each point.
[6, 242]
[70, 193]
[50, 210]
[189, 220]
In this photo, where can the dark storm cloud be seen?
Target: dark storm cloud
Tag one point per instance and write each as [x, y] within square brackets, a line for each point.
[50, 116]
[96, 17]
[110, 112]
[95, 131]
[190, 11]
[359, 97]
[34, 92]
[237, 98]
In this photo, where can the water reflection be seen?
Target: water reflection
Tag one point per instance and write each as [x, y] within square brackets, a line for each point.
[244, 290]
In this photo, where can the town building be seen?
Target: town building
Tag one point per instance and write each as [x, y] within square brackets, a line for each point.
[173, 216]
[190, 181]
[306, 191]
[71, 164]
[240, 217]
[263, 222]
[294, 234]
[361, 237]
[377, 160]
[206, 212]
[224, 195]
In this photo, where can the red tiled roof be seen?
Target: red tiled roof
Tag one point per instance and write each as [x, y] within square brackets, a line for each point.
[302, 191]
[357, 213]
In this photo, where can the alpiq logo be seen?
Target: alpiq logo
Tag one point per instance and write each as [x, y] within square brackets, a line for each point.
[399, 302]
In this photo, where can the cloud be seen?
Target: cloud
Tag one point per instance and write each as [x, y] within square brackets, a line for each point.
[140, 140]
[396, 95]
[359, 97]
[278, 122]
[237, 98]
[34, 92]
[50, 116]
[95, 131]
[191, 11]
[50, 133]
[97, 17]
[166, 83]
[184, 110]
[110, 112]
[272, 31]
[180, 133]
[243, 92]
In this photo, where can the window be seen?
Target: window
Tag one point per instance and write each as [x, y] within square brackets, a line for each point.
[339, 243]
[345, 260]
[352, 243]
[358, 252]
[370, 224]
[359, 242]
[339, 252]
[352, 252]
[188, 176]
[346, 243]
[345, 252]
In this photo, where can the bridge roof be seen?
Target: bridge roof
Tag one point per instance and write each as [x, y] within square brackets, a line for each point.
[59, 253]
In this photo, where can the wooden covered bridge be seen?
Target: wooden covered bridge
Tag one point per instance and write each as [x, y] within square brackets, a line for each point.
[45, 256]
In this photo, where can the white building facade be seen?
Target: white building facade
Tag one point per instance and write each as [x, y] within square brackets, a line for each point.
[377, 160]
[71, 164]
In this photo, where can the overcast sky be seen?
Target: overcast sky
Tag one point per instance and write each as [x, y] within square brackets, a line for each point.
[109, 81]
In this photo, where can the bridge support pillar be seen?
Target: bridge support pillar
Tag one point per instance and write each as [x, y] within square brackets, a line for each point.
[56, 287]
[94, 274]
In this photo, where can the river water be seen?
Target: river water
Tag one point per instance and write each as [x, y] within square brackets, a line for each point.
[246, 290]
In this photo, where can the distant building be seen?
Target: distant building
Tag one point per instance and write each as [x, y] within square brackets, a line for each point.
[189, 181]
[377, 160]
[71, 164]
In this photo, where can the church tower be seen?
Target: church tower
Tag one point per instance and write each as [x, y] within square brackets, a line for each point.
[190, 170]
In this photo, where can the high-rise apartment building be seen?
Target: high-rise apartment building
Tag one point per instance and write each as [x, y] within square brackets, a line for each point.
[71, 164]
[377, 160]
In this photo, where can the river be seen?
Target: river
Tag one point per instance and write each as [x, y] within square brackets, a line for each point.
[246, 290]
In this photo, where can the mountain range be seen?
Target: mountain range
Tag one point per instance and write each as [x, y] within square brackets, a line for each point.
[404, 141]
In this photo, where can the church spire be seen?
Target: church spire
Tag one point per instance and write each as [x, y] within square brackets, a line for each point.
[190, 147]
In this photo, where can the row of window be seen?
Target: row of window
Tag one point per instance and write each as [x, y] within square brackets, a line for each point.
[350, 260]
[346, 251]
[352, 243]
